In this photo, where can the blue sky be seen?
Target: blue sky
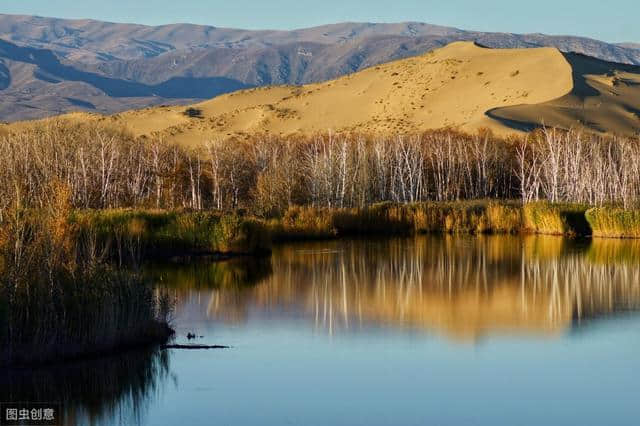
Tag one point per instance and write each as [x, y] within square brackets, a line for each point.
[605, 20]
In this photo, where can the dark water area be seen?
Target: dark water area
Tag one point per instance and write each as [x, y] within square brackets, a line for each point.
[419, 331]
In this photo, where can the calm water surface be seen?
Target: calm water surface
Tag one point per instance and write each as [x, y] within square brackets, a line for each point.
[424, 331]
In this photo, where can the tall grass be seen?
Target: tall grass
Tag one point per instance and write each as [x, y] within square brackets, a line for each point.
[469, 217]
[137, 234]
[614, 222]
[303, 223]
[377, 219]
[556, 218]
[59, 299]
[461, 217]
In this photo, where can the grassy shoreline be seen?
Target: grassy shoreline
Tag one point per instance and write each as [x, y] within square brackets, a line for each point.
[64, 297]
[60, 297]
[71, 286]
[614, 222]
[463, 217]
[138, 234]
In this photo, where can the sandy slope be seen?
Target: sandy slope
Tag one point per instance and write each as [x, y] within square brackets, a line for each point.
[453, 86]
[462, 86]
[605, 98]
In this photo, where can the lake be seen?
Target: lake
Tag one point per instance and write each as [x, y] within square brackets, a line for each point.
[416, 331]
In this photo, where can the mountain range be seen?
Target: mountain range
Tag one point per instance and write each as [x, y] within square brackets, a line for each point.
[51, 66]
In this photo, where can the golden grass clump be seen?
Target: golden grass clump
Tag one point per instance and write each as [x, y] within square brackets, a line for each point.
[134, 234]
[378, 219]
[467, 217]
[299, 223]
[504, 217]
[542, 217]
[614, 222]
[462, 217]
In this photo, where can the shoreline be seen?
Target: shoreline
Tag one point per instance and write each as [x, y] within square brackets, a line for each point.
[459, 217]
[142, 235]
[134, 237]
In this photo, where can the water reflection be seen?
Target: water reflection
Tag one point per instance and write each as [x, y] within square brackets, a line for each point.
[223, 285]
[204, 275]
[464, 288]
[115, 390]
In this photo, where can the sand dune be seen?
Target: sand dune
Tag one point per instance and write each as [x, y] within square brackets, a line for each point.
[451, 87]
[461, 86]
[605, 98]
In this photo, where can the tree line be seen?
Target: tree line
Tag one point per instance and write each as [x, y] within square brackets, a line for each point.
[104, 167]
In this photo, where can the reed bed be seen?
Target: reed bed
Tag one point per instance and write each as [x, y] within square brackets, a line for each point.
[460, 217]
[138, 234]
[468, 217]
[60, 300]
[614, 222]
[556, 218]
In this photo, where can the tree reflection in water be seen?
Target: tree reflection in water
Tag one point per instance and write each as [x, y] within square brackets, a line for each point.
[93, 392]
[463, 287]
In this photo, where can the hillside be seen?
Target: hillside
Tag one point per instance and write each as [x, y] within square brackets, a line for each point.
[453, 86]
[50, 66]
[462, 86]
[630, 45]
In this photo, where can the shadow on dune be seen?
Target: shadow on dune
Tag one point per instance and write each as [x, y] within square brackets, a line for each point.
[605, 98]
[52, 70]
[583, 65]
[523, 126]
